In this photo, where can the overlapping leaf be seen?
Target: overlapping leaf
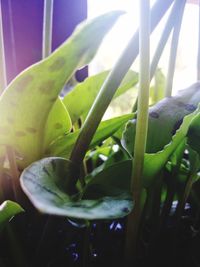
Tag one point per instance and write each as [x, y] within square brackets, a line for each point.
[85, 93]
[164, 119]
[167, 129]
[63, 146]
[28, 100]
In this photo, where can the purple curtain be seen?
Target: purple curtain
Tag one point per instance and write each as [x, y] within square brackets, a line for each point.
[22, 25]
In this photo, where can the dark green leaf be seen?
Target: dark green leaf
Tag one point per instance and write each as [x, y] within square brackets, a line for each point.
[46, 184]
[164, 119]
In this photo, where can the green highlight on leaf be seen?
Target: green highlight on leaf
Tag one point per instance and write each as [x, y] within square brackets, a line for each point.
[161, 144]
[63, 146]
[8, 209]
[27, 104]
[85, 93]
[46, 184]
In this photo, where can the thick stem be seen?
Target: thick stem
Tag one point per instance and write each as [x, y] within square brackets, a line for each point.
[171, 21]
[3, 79]
[173, 50]
[162, 43]
[47, 28]
[110, 86]
[141, 129]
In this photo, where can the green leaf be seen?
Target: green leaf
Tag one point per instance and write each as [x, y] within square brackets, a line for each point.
[153, 163]
[117, 177]
[194, 134]
[7, 210]
[58, 123]
[28, 100]
[46, 184]
[164, 119]
[63, 146]
[85, 93]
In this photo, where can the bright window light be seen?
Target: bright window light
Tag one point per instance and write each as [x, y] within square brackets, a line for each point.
[117, 39]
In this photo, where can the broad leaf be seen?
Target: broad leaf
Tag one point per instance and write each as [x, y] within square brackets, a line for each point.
[46, 184]
[26, 103]
[164, 119]
[63, 146]
[7, 210]
[79, 101]
[153, 163]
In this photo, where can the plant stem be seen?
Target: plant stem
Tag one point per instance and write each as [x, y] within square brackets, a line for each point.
[110, 86]
[3, 79]
[165, 36]
[161, 45]
[198, 57]
[184, 197]
[141, 129]
[47, 28]
[173, 50]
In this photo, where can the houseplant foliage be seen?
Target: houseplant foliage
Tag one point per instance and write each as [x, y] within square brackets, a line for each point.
[54, 145]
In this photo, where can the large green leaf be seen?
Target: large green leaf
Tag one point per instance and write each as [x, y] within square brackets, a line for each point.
[154, 162]
[7, 210]
[79, 101]
[26, 103]
[164, 119]
[63, 146]
[46, 184]
[194, 134]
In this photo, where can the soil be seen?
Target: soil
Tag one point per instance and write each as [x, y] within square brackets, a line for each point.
[45, 241]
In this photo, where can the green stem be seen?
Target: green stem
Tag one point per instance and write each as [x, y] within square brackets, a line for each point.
[3, 79]
[110, 86]
[198, 57]
[47, 28]
[163, 40]
[173, 50]
[141, 130]
[184, 197]
[165, 36]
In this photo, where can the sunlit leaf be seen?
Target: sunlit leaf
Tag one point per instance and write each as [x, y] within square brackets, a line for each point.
[85, 93]
[63, 146]
[26, 103]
